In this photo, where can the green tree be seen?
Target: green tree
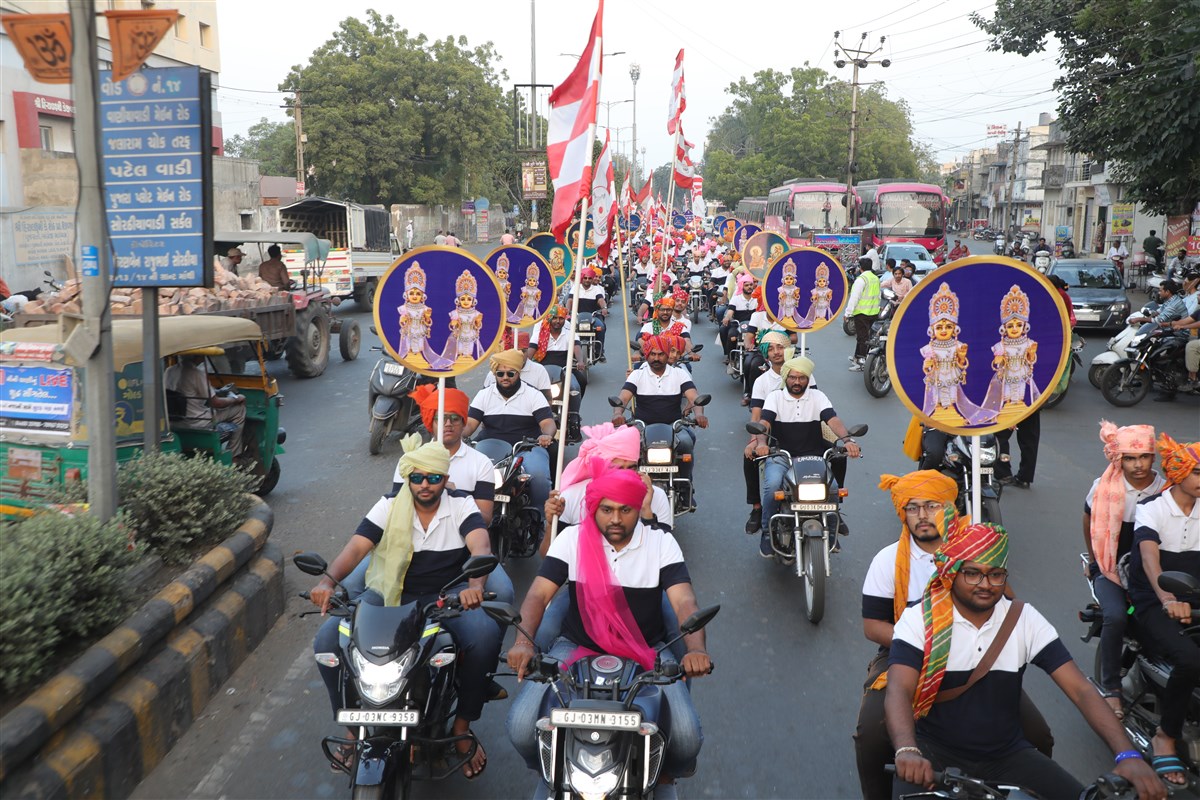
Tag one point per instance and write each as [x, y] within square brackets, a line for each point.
[271, 144]
[1128, 92]
[397, 118]
[795, 124]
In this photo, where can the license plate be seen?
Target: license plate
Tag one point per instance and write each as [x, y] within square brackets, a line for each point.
[814, 506]
[393, 369]
[986, 470]
[596, 720]
[1087, 316]
[356, 716]
[656, 470]
[502, 498]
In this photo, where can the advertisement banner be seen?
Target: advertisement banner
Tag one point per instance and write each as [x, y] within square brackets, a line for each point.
[481, 225]
[1178, 229]
[1122, 219]
[534, 180]
[39, 399]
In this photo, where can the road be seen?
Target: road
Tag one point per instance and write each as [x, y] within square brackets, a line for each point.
[779, 710]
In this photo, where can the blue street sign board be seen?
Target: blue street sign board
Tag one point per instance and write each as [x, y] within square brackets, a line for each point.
[89, 254]
[689, 215]
[156, 158]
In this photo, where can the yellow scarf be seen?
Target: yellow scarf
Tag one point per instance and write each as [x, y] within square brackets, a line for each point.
[393, 554]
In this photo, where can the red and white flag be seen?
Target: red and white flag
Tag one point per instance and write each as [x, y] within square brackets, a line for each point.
[642, 200]
[604, 202]
[678, 96]
[569, 136]
[627, 195]
[685, 170]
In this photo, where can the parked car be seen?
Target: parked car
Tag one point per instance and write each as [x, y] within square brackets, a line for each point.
[921, 260]
[1096, 292]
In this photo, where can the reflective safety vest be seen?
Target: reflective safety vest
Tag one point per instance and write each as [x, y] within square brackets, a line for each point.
[868, 301]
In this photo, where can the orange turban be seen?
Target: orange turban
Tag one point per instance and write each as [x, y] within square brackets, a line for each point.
[425, 396]
[1178, 460]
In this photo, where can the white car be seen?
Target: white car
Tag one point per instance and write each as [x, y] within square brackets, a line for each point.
[917, 255]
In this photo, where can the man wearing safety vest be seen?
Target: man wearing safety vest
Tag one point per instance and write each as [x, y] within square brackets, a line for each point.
[863, 308]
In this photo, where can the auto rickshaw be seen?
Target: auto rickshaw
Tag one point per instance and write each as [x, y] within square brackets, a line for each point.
[43, 430]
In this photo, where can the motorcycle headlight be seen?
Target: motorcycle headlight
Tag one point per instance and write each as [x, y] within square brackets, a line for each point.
[591, 787]
[987, 455]
[556, 390]
[1132, 352]
[810, 492]
[380, 683]
[658, 455]
[595, 763]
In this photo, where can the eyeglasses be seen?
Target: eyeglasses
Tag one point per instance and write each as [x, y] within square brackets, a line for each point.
[930, 508]
[973, 577]
[506, 373]
[417, 478]
[453, 419]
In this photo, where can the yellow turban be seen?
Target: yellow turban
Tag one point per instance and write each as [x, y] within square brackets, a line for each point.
[393, 554]
[801, 364]
[507, 359]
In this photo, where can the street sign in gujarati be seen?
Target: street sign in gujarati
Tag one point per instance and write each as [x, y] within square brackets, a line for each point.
[156, 158]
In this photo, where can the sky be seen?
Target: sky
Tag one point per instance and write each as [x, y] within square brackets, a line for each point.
[940, 64]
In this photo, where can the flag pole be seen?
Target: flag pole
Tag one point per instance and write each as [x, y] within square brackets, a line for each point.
[624, 301]
[576, 279]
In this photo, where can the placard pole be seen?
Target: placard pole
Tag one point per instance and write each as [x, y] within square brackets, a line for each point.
[976, 483]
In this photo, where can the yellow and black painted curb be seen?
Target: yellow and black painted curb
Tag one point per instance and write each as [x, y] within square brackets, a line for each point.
[98, 727]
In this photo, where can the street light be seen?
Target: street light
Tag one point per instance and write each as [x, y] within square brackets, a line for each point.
[635, 72]
[608, 104]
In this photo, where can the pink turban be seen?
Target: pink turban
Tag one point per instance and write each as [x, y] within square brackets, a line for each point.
[590, 272]
[743, 279]
[1108, 504]
[605, 443]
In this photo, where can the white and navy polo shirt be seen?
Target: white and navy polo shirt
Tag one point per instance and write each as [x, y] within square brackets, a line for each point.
[1160, 519]
[659, 398]
[574, 503]
[796, 422]
[470, 471]
[556, 346]
[1132, 498]
[764, 384]
[510, 419]
[646, 567]
[984, 723]
[761, 323]
[879, 587]
[743, 307]
[532, 374]
[589, 300]
[440, 551]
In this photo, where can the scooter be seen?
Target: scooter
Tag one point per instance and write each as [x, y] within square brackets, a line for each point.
[398, 687]
[1118, 344]
[999, 247]
[659, 459]
[805, 531]
[1144, 676]
[603, 731]
[875, 369]
[388, 402]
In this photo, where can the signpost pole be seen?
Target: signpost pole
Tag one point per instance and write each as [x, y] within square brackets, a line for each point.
[976, 486]
[151, 372]
[92, 239]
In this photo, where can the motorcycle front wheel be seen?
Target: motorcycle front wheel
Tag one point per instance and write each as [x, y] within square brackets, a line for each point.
[814, 560]
[1125, 384]
[1096, 374]
[875, 375]
[990, 510]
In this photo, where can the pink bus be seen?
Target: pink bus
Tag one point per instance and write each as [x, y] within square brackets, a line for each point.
[798, 209]
[905, 211]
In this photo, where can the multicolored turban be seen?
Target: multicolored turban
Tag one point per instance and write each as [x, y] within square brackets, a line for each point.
[1178, 460]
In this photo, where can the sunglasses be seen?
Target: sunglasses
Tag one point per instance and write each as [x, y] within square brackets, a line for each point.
[506, 373]
[417, 478]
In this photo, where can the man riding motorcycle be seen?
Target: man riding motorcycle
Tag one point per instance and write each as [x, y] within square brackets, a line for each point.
[628, 623]
[418, 540]
[1164, 537]
[592, 304]
[741, 307]
[759, 325]
[548, 345]
[793, 414]
[776, 345]
[942, 711]
[664, 322]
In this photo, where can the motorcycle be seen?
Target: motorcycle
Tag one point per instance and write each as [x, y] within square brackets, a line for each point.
[737, 354]
[956, 463]
[574, 432]
[1068, 250]
[697, 299]
[1144, 675]
[875, 369]
[658, 457]
[805, 531]
[588, 339]
[398, 687]
[603, 730]
[1076, 361]
[517, 523]
[1154, 358]
[1117, 344]
[999, 247]
[388, 402]
[954, 784]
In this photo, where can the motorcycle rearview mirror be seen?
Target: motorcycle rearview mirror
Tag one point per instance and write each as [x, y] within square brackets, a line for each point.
[858, 430]
[702, 400]
[615, 402]
[479, 566]
[310, 563]
[501, 612]
[1178, 583]
[698, 620]
[757, 428]
[696, 348]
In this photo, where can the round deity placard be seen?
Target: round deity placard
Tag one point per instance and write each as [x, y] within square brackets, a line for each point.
[761, 251]
[979, 345]
[525, 283]
[678, 220]
[558, 256]
[630, 223]
[743, 235]
[718, 223]
[439, 310]
[728, 230]
[589, 239]
[805, 289]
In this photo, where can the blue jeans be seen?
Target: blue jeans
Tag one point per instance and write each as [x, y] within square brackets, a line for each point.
[685, 736]
[685, 444]
[774, 471]
[477, 634]
[537, 466]
[550, 628]
[1114, 606]
[600, 324]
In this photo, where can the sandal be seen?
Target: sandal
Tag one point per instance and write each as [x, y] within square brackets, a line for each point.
[466, 768]
[1169, 765]
[343, 759]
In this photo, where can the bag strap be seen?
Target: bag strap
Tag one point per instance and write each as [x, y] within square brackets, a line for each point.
[989, 658]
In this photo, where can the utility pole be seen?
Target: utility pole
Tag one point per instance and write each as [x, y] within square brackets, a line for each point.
[94, 341]
[533, 119]
[635, 72]
[300, 142]
[1012, 176]
[861, 58]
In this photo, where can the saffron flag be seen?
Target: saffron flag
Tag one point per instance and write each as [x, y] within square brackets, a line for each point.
[678, 96]
[604, 207]
[569, 135]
